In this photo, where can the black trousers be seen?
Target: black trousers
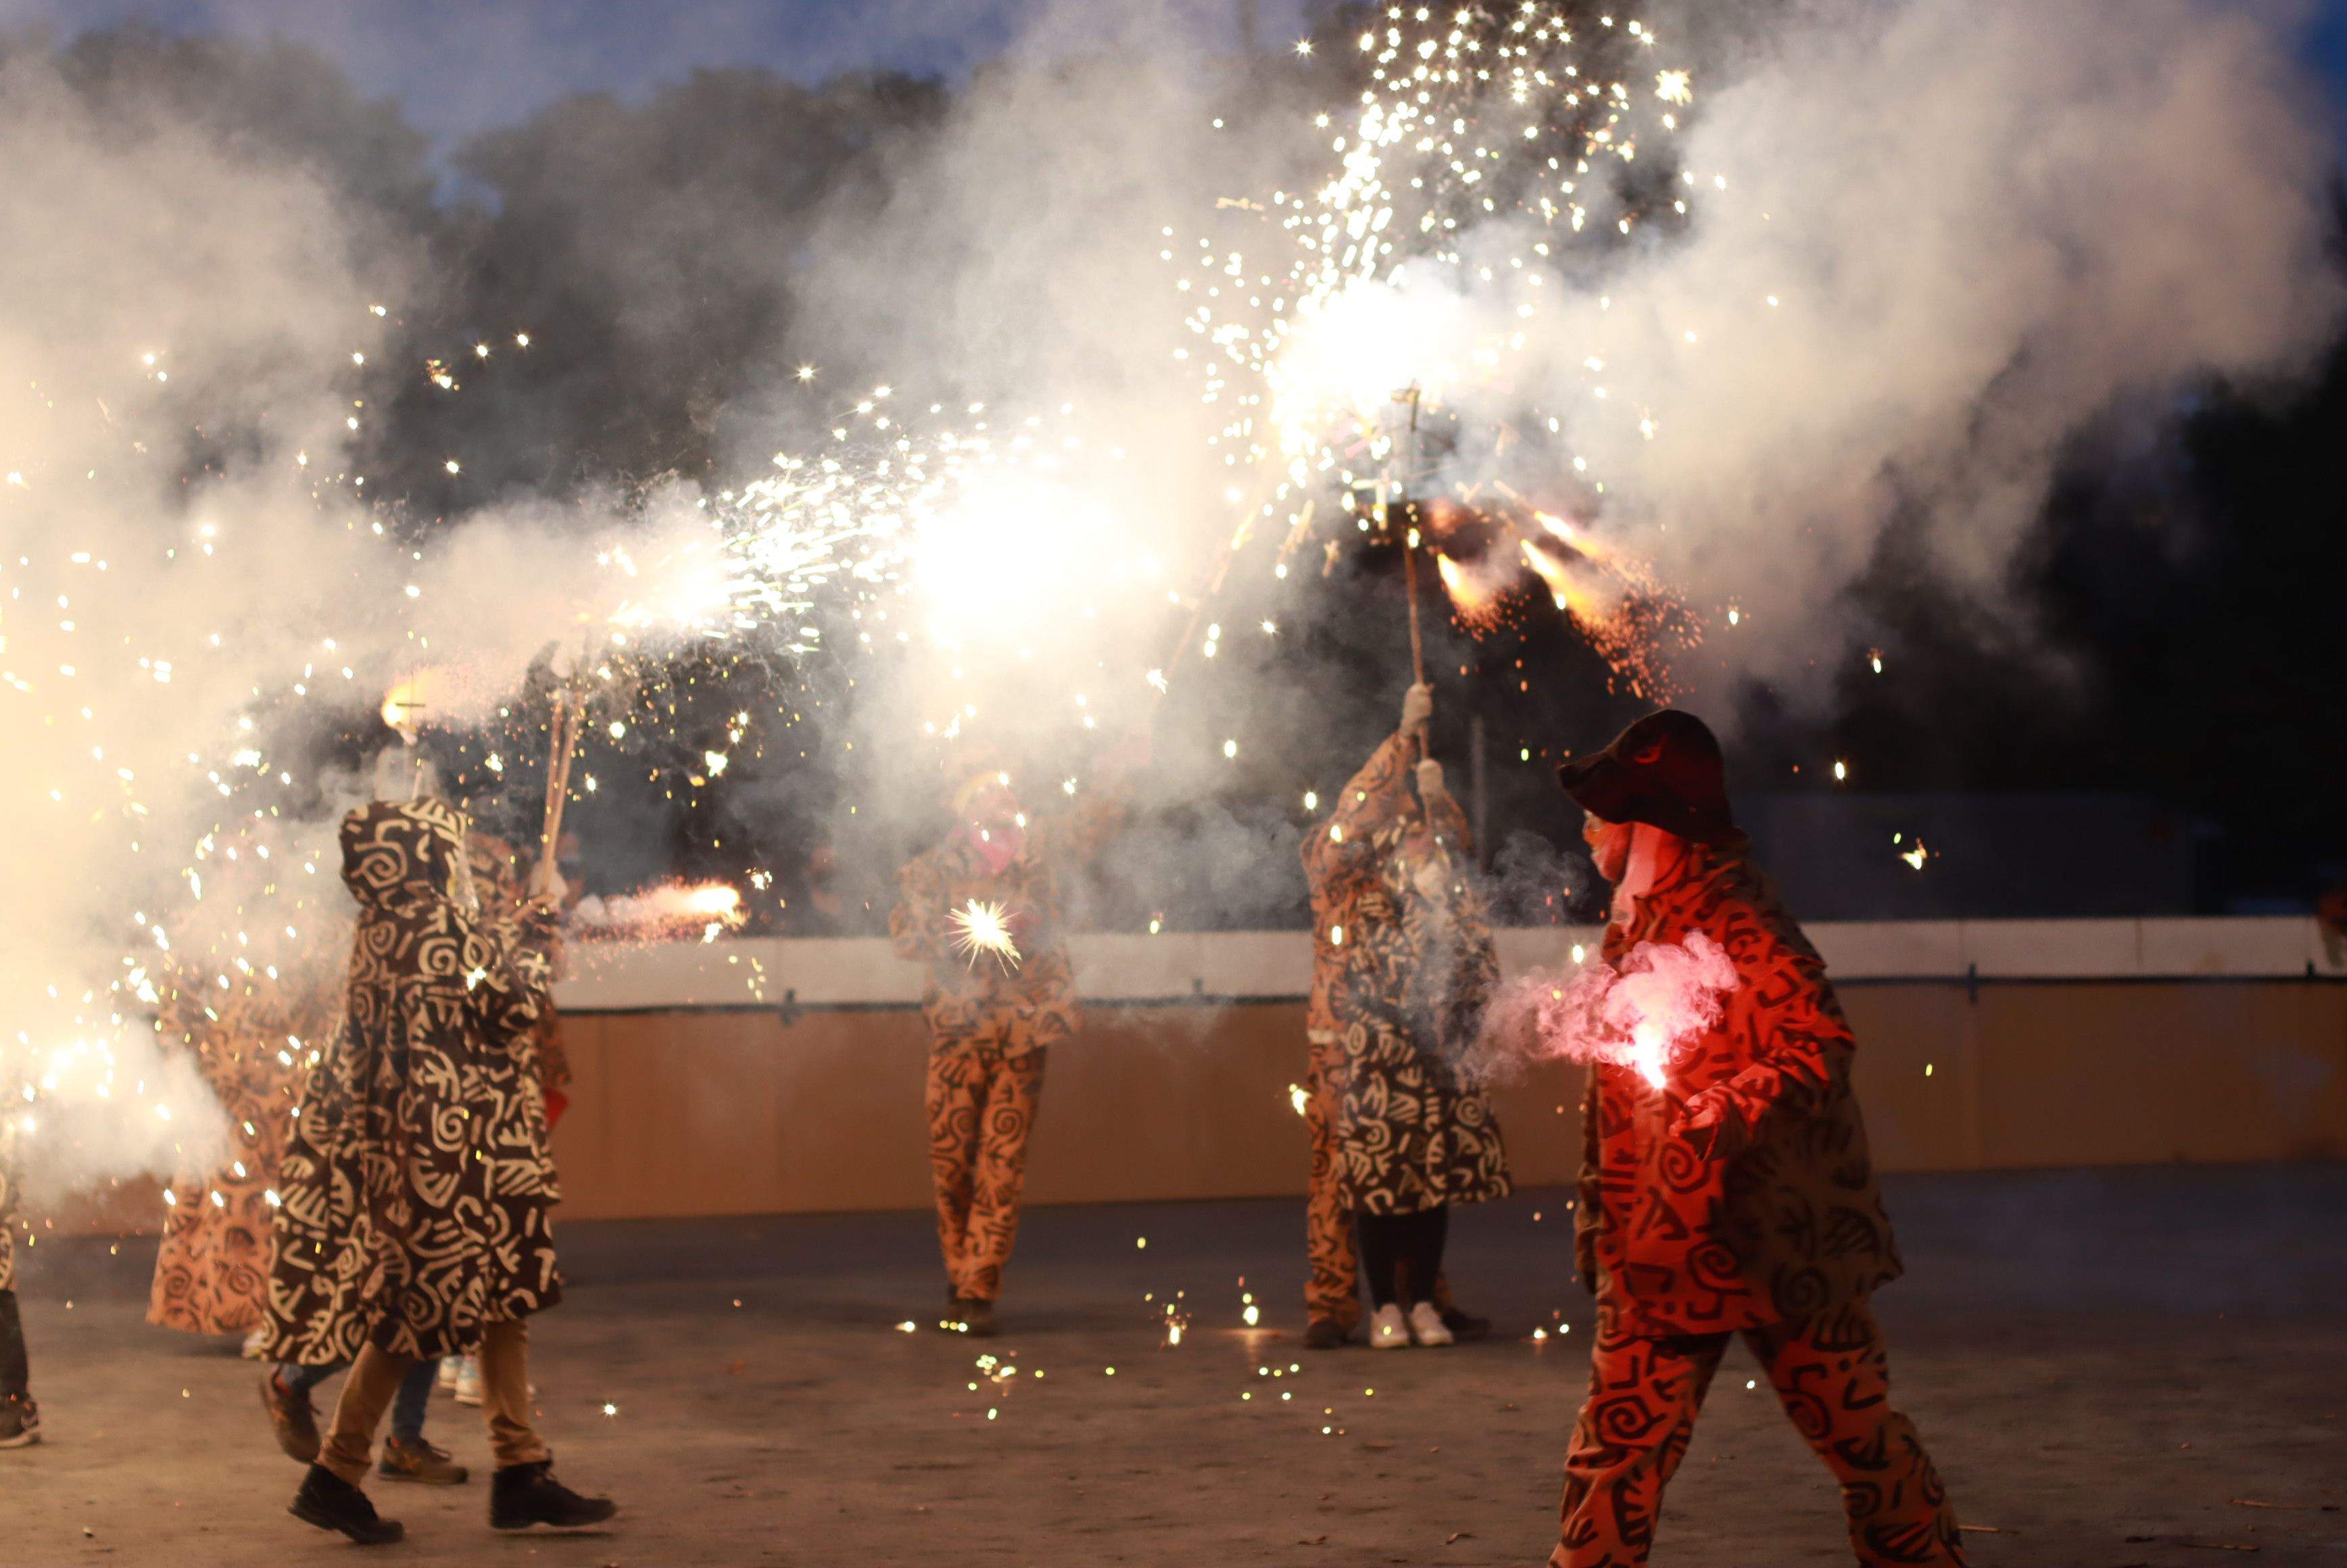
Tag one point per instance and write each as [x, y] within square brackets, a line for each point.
[15, 1372]
[1402, 1255]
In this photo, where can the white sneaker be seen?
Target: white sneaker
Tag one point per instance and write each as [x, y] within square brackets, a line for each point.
[251, 1350]
[449, 1366]
[1387, 1331]
[1426, 1325]
[468, 1381]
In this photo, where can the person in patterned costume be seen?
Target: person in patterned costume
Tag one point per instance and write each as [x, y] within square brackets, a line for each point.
[20, 1417]
[211, 1270]
[1735, 1198]
[416, 1193]
[1404, 966]
[992, 1017]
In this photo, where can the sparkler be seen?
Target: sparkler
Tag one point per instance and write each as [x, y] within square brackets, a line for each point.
[982, 927]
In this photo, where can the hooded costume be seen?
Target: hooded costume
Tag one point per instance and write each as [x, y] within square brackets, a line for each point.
[20, 1422]
[251, 1045]
[1403, 966]
[416, 1191]
[1737, 1196]
[991, 1020]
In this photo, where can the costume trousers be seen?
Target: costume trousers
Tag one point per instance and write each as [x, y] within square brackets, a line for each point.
[16, 1366]
[374, 1380]
[982, 1095]
[1332, 1293]
[1831, 1376]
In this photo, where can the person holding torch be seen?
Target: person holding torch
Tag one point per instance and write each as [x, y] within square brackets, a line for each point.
[417, 1198]
[1735, 1195]
[1404, 966]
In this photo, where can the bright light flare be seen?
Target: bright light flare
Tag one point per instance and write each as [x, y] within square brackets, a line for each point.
[982, 927]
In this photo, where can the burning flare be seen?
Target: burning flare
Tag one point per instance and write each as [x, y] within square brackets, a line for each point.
[982, 927]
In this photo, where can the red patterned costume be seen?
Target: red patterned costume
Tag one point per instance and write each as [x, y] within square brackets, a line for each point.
[991, 1020]
[1737, 1197]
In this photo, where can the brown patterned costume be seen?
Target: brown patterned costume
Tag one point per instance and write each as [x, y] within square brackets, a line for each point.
[416, 1186]
[990, 1024]
[252, 1046]
[1403, 965]
[1760, 1216]
[15, 1373]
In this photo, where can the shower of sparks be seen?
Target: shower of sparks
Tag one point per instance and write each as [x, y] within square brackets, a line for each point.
[1354, 335]
[981, 928]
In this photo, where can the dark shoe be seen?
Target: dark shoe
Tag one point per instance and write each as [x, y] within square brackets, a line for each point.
[329, 1502]
[20, 1422]
[978, 1318]
[290, 1414]
[420, 1462]
[521, 1495]
[1322, 1334]
[1466, 1325]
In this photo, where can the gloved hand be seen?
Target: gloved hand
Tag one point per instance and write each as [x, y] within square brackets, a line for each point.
[1711, 1125]
[1429, 779]
[1416, 708]
[546, 884]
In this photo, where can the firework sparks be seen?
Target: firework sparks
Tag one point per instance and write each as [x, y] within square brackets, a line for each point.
[980, 927]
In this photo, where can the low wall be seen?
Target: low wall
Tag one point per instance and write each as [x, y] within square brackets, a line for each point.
[784, 1076]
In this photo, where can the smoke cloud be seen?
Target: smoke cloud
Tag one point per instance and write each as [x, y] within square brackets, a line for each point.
[1661, 996]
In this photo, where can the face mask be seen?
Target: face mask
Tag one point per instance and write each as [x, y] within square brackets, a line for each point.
[998, 848]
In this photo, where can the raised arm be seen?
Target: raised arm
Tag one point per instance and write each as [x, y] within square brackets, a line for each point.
[1337, 850]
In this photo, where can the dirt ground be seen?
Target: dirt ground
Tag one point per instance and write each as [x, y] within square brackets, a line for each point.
[2130, 1366]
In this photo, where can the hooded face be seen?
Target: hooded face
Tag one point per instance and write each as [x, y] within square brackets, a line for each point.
[398, 855]
[992, 823]
[1609, 845]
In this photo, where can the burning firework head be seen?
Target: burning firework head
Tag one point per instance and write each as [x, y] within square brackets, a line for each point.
[1639, 1014]
[982, 928]
[666, 911]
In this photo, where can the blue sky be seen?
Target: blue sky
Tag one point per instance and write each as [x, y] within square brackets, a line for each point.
[463, 65]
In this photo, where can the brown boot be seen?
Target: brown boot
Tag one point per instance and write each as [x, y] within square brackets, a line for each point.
[292, 1419]
[420, 1462]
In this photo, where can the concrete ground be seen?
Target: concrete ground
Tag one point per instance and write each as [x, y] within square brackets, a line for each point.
[2128, 1366]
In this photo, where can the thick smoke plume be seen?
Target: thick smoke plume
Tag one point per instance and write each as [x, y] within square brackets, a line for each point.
[193, 586]
[1638, 1016]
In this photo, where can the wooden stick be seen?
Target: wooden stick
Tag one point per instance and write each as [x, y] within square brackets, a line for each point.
[1417, 637]
[562, 739]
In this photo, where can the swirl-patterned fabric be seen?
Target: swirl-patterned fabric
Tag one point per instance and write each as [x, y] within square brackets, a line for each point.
[250, 1044]
[1832, 1378]
[418, 1191]
[1403, 966]
[1788, 1221]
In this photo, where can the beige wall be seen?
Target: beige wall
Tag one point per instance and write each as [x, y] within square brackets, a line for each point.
[697, 1112]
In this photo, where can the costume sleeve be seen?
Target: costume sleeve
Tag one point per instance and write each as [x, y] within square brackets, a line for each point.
[1449, 820]
[509, 973]
[1588, 1194]
[1337, 852]
[917, 926]
[1802, 1045]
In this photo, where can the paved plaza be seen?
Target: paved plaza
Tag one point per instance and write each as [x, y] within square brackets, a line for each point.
[2125, 1366]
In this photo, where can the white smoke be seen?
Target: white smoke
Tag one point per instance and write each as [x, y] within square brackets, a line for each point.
[189, 579]
[1931, 243]
[1638, 1015]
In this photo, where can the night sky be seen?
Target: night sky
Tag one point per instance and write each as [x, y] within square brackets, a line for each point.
[463, 66]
